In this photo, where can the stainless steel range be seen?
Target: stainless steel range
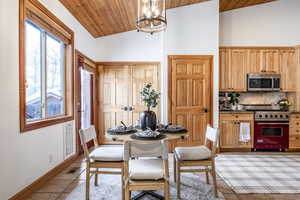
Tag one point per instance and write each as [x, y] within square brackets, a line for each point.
[271, 127]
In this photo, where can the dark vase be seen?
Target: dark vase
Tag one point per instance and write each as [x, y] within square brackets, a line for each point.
[148, 120]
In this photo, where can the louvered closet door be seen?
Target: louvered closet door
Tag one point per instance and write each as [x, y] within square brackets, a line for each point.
[190, 95]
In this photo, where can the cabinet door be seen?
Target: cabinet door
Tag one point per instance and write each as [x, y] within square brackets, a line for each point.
[254, 61]
[225, 83]
[294, 141]
[288, 69]
[270, 60]
[237, 74]
[228, 134]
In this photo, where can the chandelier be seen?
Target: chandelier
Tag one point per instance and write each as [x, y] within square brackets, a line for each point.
[151, 16]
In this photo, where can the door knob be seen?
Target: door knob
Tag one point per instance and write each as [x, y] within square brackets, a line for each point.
[125, 108]
[131, 108]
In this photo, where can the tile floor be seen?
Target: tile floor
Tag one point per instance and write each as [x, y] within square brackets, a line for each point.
[60, 186]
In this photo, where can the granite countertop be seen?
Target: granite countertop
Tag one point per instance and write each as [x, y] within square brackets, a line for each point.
[235, 111]
[294, 112]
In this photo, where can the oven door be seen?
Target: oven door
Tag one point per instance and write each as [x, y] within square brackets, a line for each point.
[271, 135]
[260, 84]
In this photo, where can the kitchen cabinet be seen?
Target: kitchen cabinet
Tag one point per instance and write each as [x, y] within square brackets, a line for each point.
[294, 132]
[237, 62]
[270, 60]
[288, 69]
[230, 130]
[233, 69]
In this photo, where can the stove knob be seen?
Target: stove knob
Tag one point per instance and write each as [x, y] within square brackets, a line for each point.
[275, 116]
[281, 116]
[287, 116]
[266, 116]
[271, 116]
[260, 116]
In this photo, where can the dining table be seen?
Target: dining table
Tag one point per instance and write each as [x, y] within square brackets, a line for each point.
[125, 137]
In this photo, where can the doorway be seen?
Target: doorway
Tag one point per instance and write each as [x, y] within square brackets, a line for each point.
[190, 95]
[86, 78]
[119, 97]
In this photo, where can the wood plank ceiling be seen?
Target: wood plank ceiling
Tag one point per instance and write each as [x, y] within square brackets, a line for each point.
[107, 17]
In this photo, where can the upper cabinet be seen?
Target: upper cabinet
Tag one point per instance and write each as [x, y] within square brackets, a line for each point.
[270, 60]
[288, 69]
[233, 69]
[237, 62]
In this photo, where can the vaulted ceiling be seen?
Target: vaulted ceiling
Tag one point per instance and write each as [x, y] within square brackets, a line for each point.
[106, 17]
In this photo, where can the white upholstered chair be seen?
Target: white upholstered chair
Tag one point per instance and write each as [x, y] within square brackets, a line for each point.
[198, 156]
[104, 157]
[146, 167]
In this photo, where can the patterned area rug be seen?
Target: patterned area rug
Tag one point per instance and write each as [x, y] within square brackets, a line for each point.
[260, 173]
[192, 188]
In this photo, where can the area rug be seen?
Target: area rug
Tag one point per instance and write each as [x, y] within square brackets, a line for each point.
[192, 188]
[254, 173]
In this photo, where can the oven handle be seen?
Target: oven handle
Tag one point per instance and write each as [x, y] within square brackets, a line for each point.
[273, 123]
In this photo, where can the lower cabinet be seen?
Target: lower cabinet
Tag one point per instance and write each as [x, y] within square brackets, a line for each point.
[294, 132]
[230, 130]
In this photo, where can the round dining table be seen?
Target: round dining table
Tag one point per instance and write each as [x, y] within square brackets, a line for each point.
[127, 137]
[122, 138]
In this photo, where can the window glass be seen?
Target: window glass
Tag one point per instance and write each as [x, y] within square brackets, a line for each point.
[55, 76]
[33, 72]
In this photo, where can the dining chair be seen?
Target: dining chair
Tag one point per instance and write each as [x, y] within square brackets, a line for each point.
[146, 167]
[198, 156]
[102, 156]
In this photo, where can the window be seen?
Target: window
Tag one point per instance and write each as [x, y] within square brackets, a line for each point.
[46, 68]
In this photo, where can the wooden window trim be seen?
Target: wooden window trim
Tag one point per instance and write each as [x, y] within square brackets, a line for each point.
[54, 26]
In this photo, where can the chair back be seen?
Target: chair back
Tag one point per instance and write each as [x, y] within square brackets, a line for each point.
[135, 149]
[212, 135]
[86, 136]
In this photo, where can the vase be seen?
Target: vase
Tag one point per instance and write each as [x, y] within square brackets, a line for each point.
[148, 120]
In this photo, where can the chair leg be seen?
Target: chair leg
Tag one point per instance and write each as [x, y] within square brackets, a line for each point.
[167, 190]
[207, 177]
[213, 171]
[123, 185]
[174, 167]
[87, 184]
[178, 178]
[96, 178]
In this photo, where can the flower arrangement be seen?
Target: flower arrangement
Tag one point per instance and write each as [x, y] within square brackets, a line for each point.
[150, 96]
[284, 104]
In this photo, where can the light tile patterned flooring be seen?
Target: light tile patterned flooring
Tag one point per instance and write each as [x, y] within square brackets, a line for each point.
[60, 186]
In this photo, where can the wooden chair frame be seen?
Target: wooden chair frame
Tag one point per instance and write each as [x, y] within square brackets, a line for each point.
[209, 165]
[90, 163]
[138, 185]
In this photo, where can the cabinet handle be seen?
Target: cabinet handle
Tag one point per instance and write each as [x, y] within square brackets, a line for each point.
[297, 131]
[297, 123]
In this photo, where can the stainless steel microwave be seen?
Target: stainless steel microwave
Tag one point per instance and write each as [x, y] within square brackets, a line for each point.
[263, 82]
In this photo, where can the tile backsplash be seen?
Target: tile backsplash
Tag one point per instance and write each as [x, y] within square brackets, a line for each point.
[261, 97]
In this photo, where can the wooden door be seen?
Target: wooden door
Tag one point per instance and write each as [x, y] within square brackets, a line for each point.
[288, 69]
[270, 60]
[225, 83]
[120, 87]
[140, 75]
[238, 69]
[190, 95]
[114, 96]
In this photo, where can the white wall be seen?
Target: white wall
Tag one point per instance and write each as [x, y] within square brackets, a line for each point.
[192, 30]
[25, 157]
[272, 24]
[129, 46]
